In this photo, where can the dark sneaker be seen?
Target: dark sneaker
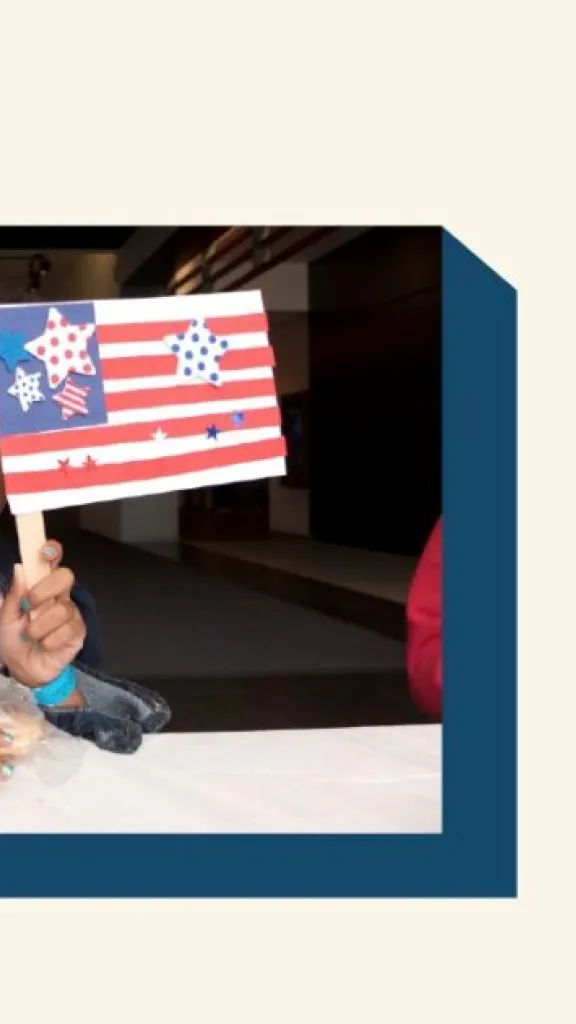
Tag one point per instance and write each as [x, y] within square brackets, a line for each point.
[115, 714]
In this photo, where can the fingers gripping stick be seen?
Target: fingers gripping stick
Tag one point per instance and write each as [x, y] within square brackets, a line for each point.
[31, 539]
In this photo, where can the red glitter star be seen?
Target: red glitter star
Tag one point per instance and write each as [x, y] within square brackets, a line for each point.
[89, 463]
[64, 465]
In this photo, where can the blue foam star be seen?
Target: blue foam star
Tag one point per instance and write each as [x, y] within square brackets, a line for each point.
[12, 349]
[237, 419]
[212, 433]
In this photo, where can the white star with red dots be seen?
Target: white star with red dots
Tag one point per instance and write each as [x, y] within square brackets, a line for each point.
[199, 352]
[63, 348]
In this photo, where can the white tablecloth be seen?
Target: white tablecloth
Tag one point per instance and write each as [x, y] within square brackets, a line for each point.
[344, 780]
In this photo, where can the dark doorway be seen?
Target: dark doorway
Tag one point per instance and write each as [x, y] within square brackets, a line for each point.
[375, 411]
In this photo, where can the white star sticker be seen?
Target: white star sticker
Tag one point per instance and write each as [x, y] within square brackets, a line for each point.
[159, 435]
[199, 352]
[63, 348]
[26, 388]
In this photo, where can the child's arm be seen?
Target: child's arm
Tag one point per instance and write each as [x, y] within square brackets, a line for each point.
[112, 713]
[424, 614]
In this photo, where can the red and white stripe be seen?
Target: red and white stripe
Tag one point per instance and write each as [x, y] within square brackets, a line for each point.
[156, 438]
[72, 400]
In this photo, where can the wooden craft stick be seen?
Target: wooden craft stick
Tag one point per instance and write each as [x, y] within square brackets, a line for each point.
[32, 538]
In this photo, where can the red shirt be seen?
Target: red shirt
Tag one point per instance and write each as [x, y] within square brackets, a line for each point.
[424, 614]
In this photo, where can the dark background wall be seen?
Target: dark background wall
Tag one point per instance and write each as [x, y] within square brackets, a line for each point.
[375, 410]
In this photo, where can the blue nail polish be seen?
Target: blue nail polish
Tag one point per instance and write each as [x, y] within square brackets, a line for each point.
[50, 552]
[25, 605]
[7, 770]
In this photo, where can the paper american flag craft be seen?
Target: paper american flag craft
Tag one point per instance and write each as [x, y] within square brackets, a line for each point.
[120, 398]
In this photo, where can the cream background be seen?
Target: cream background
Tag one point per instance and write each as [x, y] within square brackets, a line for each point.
[422, 112]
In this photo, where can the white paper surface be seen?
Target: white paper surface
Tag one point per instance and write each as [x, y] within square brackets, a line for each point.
[345, 780]
[120, 398]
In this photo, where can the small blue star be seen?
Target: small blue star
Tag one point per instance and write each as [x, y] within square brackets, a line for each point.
[12, 349]
[237, 419]
[212, 433]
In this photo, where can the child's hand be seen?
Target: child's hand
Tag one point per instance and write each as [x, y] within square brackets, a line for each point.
[36, 648]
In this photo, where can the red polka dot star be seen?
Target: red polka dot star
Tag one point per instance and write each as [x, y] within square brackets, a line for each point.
[63, 348]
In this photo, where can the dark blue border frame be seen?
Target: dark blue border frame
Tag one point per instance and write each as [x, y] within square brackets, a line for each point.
[476, 855]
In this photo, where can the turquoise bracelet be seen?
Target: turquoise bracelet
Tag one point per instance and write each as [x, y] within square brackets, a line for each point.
[58, 691]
